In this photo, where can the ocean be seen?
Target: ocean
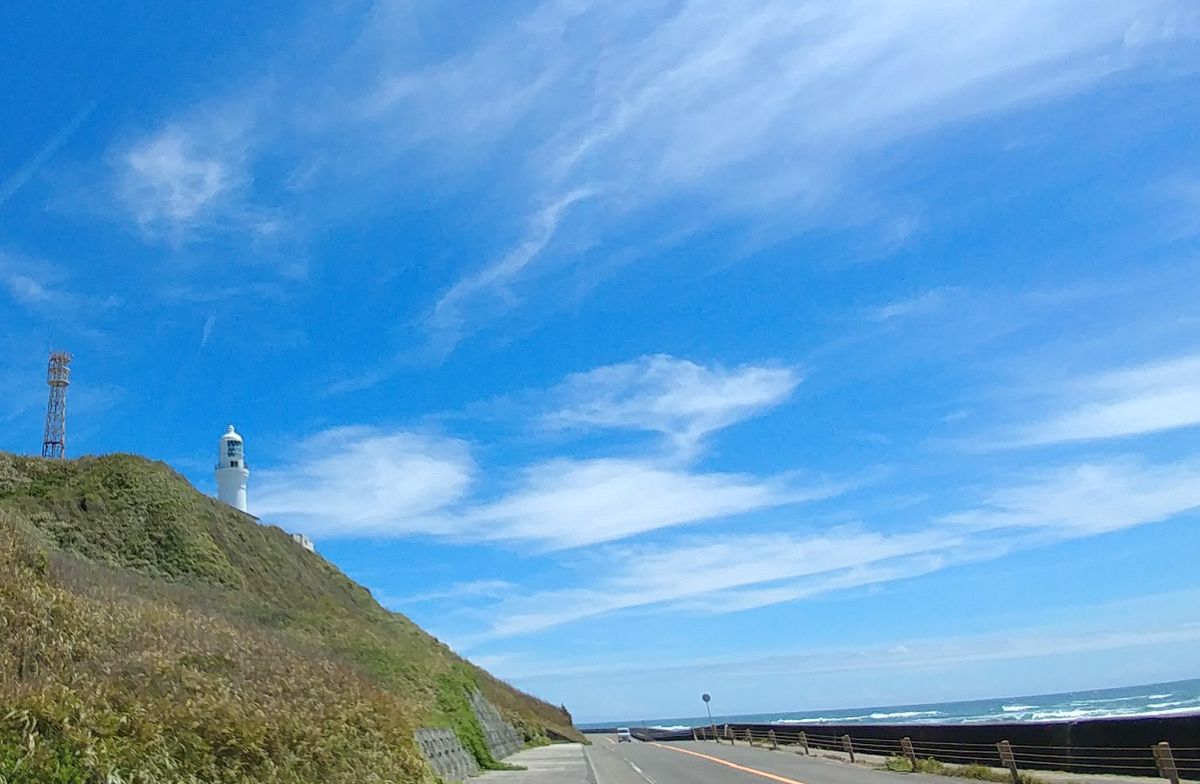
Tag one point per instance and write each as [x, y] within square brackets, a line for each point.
[1156, 699]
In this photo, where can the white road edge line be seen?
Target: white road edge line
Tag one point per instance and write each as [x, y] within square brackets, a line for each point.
[640, 772]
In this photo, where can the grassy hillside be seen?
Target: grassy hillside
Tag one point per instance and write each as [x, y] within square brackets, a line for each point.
[153, 634]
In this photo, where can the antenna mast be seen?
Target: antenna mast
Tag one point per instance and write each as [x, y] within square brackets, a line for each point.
[58, 377]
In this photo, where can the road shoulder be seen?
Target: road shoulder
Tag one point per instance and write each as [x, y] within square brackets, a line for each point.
[560, 763]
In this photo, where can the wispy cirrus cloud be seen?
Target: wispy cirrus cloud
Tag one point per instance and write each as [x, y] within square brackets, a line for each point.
[727, 573]
[923, 304]
[45, 288]
[630, 108]
[360, 481]
[1135, 400]
[723, 573]
[606, 499]
[357, 481]
[170, 184]
[15, 181]
[1088, 498]
[406, 483]
[473, 589]
[570, 502]
[206, 331]
[1147, 621]
[450, 317]
[713, 104]
[674, 397]
[194, 179]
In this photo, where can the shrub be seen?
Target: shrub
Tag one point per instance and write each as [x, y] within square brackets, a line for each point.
[930, 765]
[980, 772]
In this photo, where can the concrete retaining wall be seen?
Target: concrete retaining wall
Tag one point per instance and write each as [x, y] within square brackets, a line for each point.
[446, 755]
[502, 738]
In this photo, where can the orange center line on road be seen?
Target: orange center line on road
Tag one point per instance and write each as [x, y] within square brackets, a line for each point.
[728, 764]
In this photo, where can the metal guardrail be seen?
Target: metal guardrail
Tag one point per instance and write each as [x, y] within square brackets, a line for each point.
[1161, 759]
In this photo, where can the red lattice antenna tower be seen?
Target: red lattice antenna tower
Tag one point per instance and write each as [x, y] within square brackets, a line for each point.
[58, 377]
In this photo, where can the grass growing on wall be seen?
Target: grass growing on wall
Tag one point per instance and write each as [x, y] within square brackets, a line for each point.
[152, 634]
[454, 702]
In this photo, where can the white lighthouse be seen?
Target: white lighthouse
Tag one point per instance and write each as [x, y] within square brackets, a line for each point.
[232, 472]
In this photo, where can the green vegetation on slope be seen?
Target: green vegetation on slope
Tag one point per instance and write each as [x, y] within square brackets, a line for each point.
[153, 634]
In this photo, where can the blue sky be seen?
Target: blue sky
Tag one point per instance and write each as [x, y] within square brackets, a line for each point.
[811, 354]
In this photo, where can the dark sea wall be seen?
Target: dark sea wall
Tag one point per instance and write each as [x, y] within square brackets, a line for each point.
[1120, 745]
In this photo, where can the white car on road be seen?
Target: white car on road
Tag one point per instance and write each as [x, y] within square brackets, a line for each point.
[623, 735]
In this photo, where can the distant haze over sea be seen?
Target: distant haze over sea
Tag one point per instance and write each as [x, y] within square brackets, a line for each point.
[1155, 699]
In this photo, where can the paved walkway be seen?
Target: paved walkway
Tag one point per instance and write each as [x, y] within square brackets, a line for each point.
[562, 763]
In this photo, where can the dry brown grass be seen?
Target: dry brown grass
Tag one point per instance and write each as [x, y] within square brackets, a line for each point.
[150, 634]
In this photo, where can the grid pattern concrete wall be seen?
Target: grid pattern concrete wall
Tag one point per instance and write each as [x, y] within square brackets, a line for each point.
[502, 739]
[446, 754]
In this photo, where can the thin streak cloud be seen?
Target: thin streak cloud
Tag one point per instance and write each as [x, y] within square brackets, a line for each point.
[17, 179]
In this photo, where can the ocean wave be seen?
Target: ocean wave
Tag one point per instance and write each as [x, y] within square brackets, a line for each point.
[1147, 701]
[1106, 700]
[1191, 709]
[671, 727]
[1057, 715]
[820, 720]
[866, 717]
[1105, 713]
[990, 718]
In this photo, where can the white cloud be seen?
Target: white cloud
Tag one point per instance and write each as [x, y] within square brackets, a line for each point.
[169, 184]
[923, 304]
[207, 330]
[1145, 621]
[33, 284]
[570, 503]
[1090, 498]
[14, 182]
[675, 397]
[42, 287]
[1146, 398]
[471, 589]
[400, 483]
[856, 576]
[488, 288]
[708, 575]
[194, 179]
[731, 573]
[358, 481]
[27, 291]
[765, 113]
[716, 103]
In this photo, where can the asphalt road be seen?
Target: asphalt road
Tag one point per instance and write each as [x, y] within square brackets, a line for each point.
[689, 762]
